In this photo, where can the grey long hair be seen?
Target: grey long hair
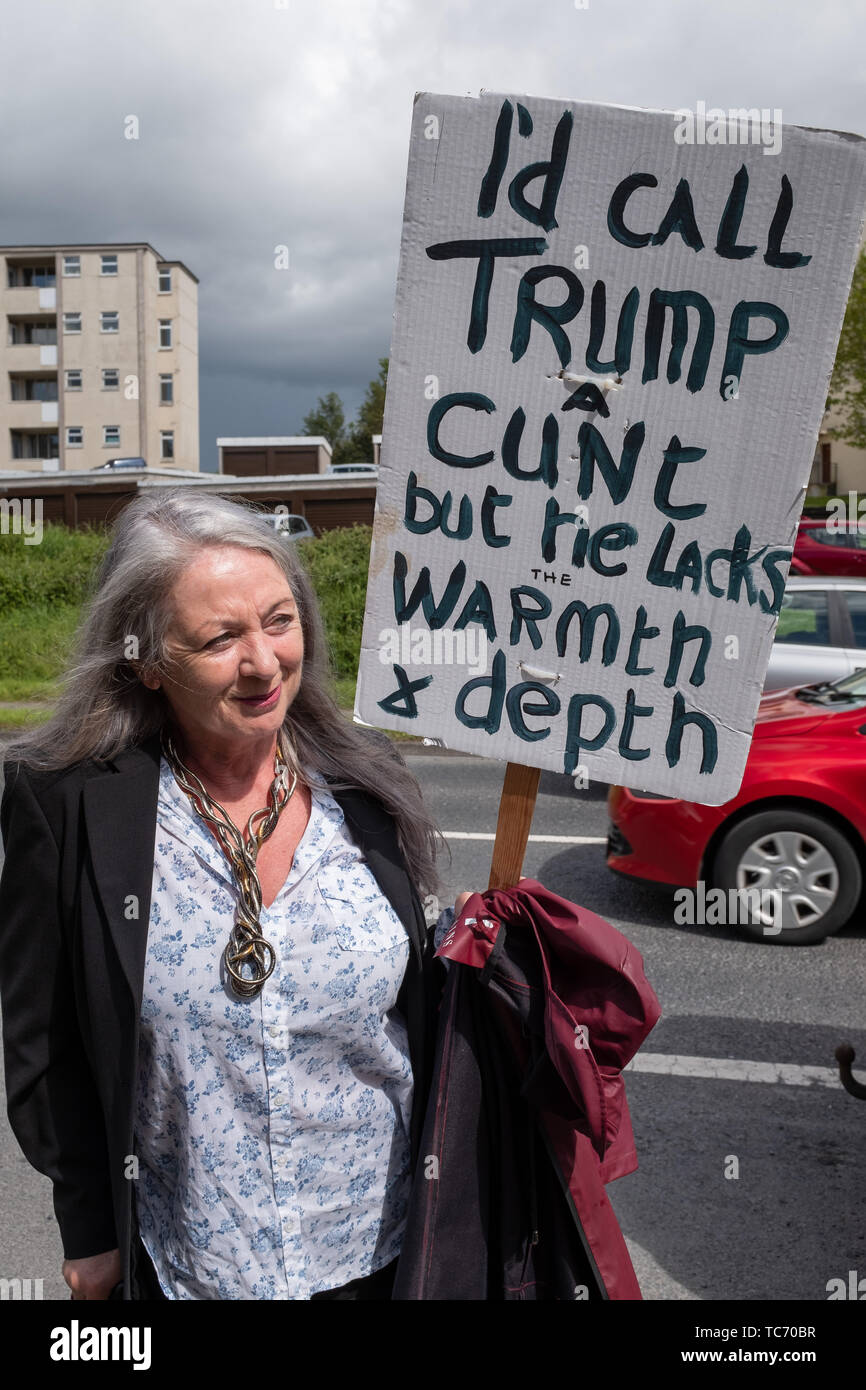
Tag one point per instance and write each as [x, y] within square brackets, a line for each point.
[104, 707]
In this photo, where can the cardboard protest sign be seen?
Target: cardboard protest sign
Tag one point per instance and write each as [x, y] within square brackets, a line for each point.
[609, 365]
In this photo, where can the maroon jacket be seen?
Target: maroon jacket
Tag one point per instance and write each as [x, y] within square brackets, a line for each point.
[526, 1117]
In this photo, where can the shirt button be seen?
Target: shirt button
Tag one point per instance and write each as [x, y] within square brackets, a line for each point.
[273, 1031]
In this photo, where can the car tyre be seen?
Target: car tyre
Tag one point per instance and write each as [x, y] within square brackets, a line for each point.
[822, 865]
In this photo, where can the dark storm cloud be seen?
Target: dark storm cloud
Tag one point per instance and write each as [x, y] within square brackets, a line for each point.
[264, 124]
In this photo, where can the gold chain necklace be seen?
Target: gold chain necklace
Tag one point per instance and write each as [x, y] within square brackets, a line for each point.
[246, 943]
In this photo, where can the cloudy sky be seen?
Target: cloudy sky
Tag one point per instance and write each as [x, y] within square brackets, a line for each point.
[281, 122]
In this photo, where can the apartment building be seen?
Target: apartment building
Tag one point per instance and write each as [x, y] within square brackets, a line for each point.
[99, 358]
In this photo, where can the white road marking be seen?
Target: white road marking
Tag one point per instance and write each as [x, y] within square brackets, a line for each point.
[735, 1069]
[533, 839]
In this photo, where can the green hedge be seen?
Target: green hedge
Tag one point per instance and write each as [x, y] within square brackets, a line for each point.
[43, 586]
[55, 571]
[337, 563]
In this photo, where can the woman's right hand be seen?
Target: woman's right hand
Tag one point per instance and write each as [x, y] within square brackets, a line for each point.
[463, 898]
[95, 1276]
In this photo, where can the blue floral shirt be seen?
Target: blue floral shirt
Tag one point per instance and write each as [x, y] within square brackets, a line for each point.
[271, 1133]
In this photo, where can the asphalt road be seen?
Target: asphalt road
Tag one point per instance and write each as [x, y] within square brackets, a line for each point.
[795, 1216]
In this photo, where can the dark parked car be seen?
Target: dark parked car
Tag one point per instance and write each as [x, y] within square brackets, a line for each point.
[122, 463]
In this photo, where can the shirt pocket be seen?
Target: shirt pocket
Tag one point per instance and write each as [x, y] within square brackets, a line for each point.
[362, 924]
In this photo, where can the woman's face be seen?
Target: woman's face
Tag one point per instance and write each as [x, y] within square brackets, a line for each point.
[236, 646]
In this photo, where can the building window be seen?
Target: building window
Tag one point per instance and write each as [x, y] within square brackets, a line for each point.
[74, 436]
[109, 321]
[73, 379]
[33, 388]
[165, 279]
[71, 266]
[22, 331]
[111, 435]
[72, 322]
[166, 389]
[34, 446]
[110, 378]
[108, 265]
[30, 333]
[165, 333]
[166, 444]
[30, 276]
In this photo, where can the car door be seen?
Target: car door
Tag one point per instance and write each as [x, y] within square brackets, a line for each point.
[857, 543]
[808, 646]
[854, 603]
[834, 550]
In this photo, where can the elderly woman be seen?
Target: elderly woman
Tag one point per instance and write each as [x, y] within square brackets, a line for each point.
[218, 987]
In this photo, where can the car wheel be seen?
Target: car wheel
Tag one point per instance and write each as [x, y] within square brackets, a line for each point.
[808, 871]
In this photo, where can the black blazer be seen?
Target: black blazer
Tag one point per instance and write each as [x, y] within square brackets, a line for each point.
[74, 911]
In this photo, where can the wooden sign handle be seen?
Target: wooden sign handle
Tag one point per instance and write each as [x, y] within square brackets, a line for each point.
[516, 806]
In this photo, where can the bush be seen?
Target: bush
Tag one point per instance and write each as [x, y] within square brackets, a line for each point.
[337, 563]
[57, 571]
[42, 588]
[35, 643]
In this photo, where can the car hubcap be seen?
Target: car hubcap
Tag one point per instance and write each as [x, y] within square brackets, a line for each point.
[796, 867]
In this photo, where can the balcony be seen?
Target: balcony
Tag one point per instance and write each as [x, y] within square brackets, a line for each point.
[24, 271]
[27, 357]
[36, 450]
[42, 386]
[30, 415]
[29, 300]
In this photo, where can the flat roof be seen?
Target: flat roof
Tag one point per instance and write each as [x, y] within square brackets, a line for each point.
[96, 475]
[311, 482]
[153, 477]
[62, 246]
[269, 440]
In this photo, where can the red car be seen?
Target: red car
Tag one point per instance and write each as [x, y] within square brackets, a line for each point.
[827, 546]
[796, 830]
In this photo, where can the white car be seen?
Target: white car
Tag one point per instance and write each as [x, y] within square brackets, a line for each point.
[289, 524]
[821, 633]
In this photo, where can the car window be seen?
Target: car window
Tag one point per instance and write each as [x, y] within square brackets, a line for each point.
[804, 618]
[852, 536]
[857, 610]
[297, 523]
[834, 537]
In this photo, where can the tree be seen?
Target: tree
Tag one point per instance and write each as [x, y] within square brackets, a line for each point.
[848, 383]
[370, 415]
[327, 419]
[352, 443]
